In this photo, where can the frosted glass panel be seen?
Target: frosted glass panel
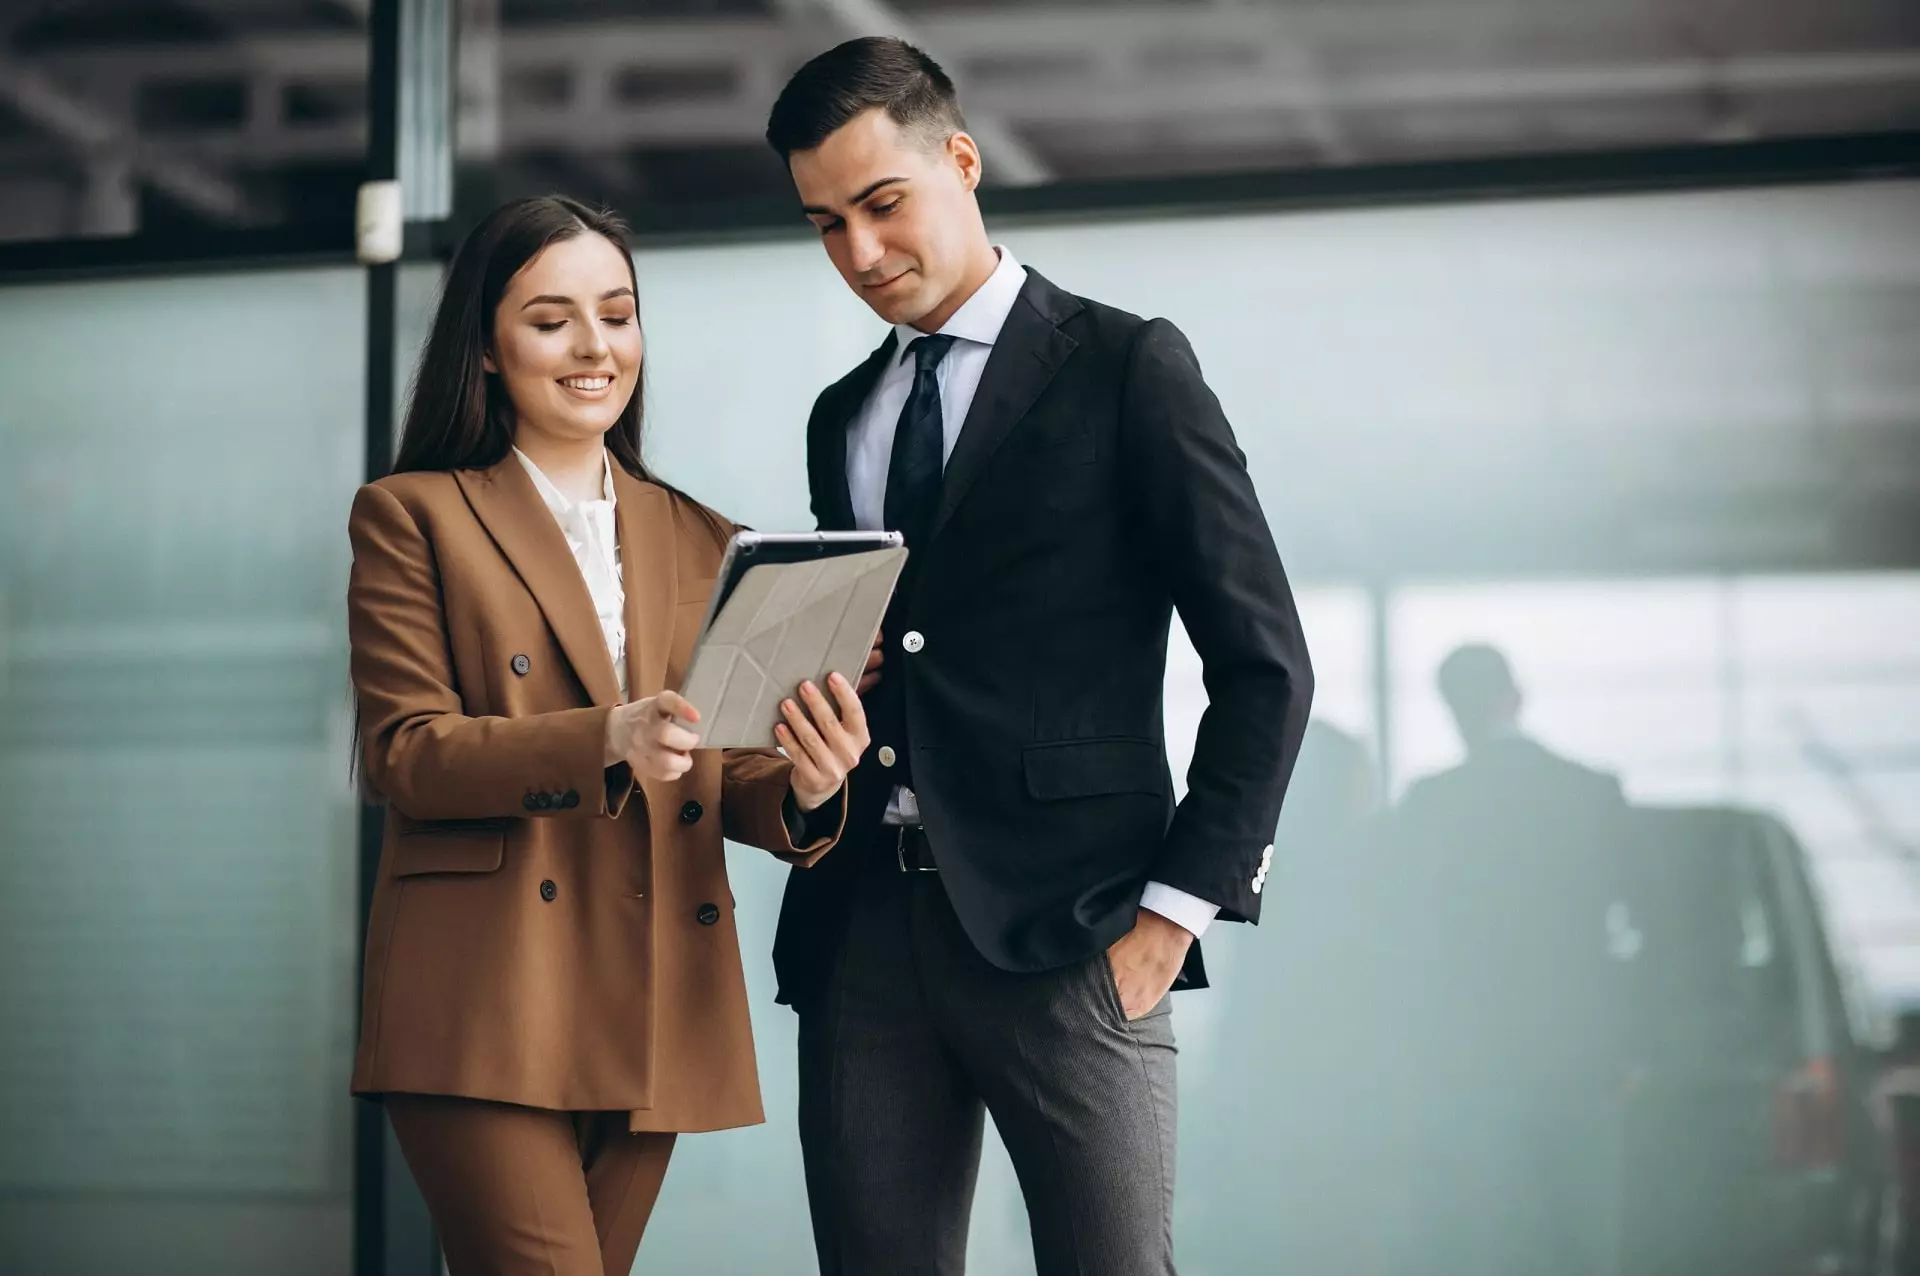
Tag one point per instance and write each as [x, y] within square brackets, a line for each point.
[176, 829]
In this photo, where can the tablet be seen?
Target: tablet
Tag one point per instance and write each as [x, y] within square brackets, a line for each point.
[787, 608]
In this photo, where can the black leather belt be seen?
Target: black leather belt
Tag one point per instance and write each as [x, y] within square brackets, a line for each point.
[913, 852]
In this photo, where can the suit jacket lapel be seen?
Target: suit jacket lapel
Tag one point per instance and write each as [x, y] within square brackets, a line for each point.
[1029, 350]
[506, 502]
[644, 514]
[847, 397]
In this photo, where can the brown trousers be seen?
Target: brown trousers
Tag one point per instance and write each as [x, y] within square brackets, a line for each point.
[524, 1192]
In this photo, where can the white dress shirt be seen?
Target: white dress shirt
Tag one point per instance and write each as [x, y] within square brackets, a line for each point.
[976, 325]
[594, 538]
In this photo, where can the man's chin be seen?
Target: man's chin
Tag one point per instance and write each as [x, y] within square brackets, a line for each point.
[907, 307]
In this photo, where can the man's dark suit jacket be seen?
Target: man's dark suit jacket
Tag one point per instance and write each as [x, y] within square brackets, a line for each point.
[1094, 488]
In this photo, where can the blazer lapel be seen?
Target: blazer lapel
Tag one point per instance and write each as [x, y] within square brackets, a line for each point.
[1029, 350]
[849, 396]
[508, 505]
[644, 515]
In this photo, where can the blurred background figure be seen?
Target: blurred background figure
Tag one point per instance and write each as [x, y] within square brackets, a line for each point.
[1340, 789]
[1485, 702]
[1306, 1036]
[1513, 857]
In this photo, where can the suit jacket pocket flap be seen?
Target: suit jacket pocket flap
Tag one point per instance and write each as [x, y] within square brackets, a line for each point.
[461, 848]
[1093, 768]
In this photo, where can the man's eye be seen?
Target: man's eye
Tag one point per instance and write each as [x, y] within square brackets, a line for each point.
[887, 209]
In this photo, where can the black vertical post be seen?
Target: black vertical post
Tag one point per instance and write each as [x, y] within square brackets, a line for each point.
[410, 126]
[370, 1159]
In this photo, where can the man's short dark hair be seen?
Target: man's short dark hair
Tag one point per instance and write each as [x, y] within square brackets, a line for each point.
[859, 76]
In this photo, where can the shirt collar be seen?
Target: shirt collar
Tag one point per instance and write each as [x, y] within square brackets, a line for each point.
[982, 315]
[557, 500]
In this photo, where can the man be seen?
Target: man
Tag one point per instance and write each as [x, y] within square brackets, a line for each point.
[1485, 702]
[1019, 894]
[1514, 859]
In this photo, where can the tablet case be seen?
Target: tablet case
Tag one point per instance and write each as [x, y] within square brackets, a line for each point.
[785, 624]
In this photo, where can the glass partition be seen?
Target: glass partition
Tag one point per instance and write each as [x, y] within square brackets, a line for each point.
[177, 830]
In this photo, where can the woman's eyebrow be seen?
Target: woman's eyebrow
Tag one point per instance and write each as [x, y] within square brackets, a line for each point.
[553, 300]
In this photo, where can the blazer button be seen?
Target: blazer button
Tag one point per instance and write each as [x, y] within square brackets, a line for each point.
[548, 890]
[914, 641]
[521, 664]
[708, 914]
[546, 801]
[691, 813]
[887, 756]
[570, 799]
[531, 801]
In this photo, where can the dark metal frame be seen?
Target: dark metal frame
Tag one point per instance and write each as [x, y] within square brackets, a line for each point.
[411, 107]
[1786, 161]
[373, 1161]
[405, 122]
[242, 249]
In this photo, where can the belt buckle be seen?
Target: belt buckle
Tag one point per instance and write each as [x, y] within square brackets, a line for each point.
[900, 852]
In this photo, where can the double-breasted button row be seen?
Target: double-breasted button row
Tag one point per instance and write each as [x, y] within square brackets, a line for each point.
[551, 801]
[707, 914]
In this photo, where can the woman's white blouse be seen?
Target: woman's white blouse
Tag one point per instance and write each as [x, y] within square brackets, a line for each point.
[595, 541]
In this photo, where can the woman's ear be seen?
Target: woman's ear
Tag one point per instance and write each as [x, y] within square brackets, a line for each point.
[486, 362]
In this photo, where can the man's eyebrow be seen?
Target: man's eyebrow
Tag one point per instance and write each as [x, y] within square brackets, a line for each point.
[812, 210]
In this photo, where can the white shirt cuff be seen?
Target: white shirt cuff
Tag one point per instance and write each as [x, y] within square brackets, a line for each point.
[1184, 910]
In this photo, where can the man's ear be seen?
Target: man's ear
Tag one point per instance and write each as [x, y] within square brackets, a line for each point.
[966, 155]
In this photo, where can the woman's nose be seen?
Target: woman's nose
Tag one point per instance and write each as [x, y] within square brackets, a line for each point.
[590, 342]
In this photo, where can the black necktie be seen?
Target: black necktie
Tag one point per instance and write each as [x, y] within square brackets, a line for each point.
[913, 475]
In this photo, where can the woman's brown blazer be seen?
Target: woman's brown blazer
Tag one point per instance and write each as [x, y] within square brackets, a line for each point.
[545, 930]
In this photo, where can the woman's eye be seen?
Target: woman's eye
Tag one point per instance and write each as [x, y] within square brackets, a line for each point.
[555, 326]
[619, 321]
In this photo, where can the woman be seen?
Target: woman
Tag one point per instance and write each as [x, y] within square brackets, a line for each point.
[553, 982]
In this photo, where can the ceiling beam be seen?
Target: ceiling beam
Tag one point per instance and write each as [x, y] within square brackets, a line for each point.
[96, 134]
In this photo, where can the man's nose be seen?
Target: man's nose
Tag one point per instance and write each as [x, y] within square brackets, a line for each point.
[865, 248]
